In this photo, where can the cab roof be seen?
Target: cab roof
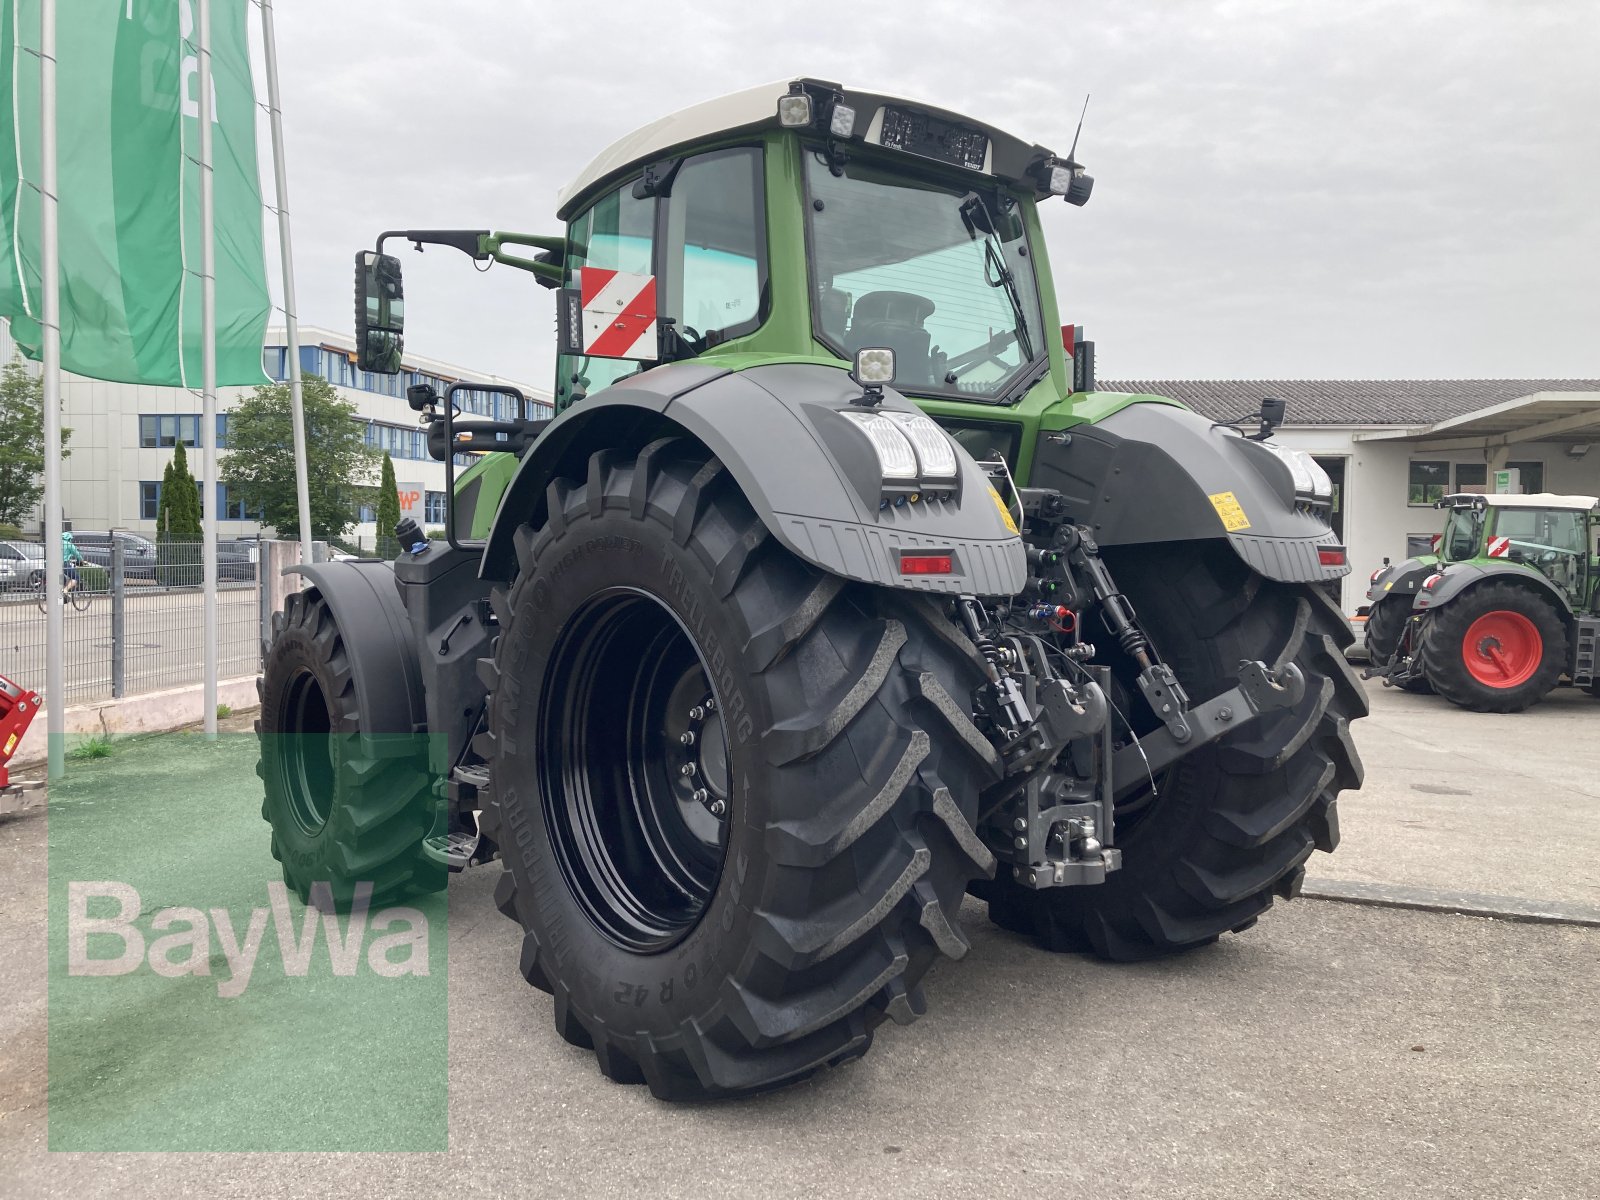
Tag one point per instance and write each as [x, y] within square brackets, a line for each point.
[1536, 500]
[1008, 157]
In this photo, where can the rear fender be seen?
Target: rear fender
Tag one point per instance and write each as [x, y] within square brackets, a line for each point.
[1158, 473]
[1449, 582]
[811, 478]
[1402, 579]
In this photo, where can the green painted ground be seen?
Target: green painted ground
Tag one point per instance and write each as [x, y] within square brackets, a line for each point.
[161, 1058]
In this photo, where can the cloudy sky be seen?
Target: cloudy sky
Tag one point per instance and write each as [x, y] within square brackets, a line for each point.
[1285, 188]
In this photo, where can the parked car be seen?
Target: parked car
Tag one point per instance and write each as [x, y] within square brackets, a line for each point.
[21, 566]
[138, 553]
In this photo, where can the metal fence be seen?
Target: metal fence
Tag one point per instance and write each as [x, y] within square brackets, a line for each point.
[135, 622]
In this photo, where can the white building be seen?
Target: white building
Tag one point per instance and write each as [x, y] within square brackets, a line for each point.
[123, 434]
[1392, 447]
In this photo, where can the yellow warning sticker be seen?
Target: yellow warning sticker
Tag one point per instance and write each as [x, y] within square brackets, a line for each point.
[1231, 512]
[1005, 513]
[1387, 586]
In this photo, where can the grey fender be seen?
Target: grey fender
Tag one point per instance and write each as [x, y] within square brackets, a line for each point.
[1401, 579]
[1158, 473]
[377, 637]
[808, 472]
[1456, 578]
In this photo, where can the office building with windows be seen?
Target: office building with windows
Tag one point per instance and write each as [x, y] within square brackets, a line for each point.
[123, 434]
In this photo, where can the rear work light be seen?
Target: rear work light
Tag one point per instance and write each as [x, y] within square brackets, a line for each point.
[1331, 556]
[926, 564]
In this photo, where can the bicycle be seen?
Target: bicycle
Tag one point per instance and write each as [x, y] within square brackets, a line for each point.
[76, 598]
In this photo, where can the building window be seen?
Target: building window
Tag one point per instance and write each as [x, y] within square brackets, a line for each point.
[433, 508]
[1532, 476]
[1429, 482]
[367, 514]
[229, 509]
[162, 430]
[1472, 477]
[149, 500]
[275, 362]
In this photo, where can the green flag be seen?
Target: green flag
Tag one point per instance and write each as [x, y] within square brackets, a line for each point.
[128, 136]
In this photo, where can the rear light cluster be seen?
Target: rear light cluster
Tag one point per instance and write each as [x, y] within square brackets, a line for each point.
[1332, 556]
[926, 564]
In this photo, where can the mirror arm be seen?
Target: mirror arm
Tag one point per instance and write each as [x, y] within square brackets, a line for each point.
[548, 269]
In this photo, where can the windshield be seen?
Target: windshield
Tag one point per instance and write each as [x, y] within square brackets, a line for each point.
[1463, 530]
[939, 274]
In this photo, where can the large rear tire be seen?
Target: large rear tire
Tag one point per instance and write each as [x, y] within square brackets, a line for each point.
[1498, 647]
[1229, 828]
[739, 925]
[1386, 625]
[346, 807]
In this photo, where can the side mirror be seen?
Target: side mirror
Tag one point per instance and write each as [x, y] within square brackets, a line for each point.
[380, 313]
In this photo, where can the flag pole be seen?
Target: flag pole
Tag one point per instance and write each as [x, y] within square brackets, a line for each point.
[208, 369]
[291, 321]
[55, 673]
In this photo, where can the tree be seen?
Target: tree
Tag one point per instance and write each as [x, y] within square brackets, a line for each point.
[388, 510]
[22, 442]
[259, 470]
[178, 515]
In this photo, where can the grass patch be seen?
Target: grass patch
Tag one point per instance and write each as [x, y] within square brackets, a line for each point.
[97, 746]
[224, 711]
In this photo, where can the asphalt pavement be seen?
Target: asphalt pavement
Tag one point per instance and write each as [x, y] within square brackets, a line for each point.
[1333, 1050]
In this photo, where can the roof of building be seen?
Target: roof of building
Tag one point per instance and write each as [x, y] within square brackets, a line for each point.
[1349, 401]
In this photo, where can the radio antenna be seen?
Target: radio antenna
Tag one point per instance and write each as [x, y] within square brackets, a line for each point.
[1072, 155]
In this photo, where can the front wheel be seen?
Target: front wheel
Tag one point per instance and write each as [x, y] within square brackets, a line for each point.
[734, 795]
[1212, 841]
[1498, 647]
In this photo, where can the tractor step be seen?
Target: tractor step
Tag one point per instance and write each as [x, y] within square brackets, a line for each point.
[453, 851]
[1588, 644]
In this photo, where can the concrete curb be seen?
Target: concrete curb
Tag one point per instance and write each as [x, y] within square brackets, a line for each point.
[1471, 904]
[149, 712]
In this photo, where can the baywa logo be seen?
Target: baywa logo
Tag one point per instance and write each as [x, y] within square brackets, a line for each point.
[185, 946]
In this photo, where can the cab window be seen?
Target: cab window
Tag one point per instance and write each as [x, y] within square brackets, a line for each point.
[618, 232]
[704, 239]
[714, 277]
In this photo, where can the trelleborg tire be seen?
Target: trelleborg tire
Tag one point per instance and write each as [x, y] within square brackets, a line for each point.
[708, 952]
[347, 806]
[1230, 826]
[1497, 647]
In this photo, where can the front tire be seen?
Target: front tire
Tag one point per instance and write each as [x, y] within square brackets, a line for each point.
[708, 952]
[347, 807]
[1498, 647]
[1228, 829]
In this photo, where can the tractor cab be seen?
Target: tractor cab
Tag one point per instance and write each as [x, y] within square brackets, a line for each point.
[1551, 534]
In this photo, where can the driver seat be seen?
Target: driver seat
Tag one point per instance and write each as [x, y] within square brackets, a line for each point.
[894, 319]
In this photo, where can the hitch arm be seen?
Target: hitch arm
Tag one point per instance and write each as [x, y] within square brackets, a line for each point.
[1259, 691]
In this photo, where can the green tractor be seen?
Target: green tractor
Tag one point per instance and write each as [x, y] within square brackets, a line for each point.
[825, 599]
[1507, 606]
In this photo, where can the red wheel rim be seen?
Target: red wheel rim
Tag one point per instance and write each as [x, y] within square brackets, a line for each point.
[1502, 649]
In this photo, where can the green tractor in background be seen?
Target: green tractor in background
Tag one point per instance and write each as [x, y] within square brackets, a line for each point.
[1507, 606]
[827, 597]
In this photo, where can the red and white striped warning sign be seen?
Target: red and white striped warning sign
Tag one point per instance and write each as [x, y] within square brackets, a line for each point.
[619, 313]
[1433, 542]
[1499, 547]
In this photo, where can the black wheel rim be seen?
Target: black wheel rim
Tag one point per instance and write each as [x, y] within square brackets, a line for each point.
[305, 752]
[633, 770]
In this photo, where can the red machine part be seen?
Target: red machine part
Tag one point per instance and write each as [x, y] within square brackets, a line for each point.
[17, 708]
